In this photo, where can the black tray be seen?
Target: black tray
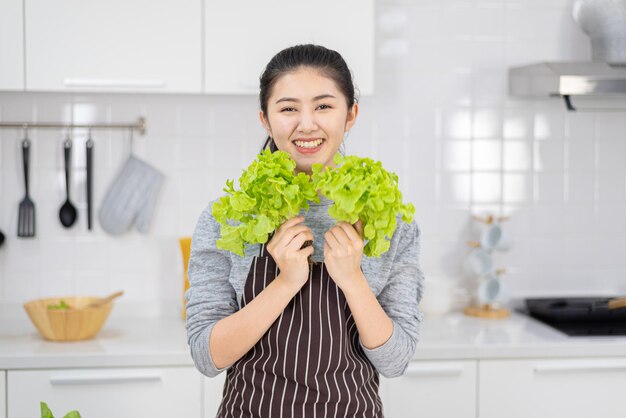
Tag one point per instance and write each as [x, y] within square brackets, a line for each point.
[574, 309]
[576, 316]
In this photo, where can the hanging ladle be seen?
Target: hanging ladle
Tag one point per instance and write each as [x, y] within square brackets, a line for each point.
[67, 213]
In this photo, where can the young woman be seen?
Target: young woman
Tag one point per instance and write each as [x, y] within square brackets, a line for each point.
[299, 340]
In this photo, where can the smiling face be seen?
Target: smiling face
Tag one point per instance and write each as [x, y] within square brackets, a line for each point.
[307, 115]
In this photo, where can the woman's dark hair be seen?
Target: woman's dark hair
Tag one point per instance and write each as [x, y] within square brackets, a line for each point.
[330, 63]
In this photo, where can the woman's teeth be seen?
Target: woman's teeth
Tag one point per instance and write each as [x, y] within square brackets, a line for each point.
[309, 144]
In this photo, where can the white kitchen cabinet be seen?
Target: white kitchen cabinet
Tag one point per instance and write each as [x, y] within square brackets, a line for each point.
[573, 388]
[163, 392]
[242, 36]
[212, 394]
[3, 394]
[431, 389]
[11, 45]
[114, 46]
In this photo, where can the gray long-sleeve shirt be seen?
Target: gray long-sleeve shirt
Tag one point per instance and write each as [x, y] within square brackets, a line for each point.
[217, 279]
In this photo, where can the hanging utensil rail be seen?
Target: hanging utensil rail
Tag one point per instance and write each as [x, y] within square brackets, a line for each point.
[139, 126]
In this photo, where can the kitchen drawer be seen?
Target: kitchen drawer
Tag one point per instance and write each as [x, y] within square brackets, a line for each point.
[427, 388]
[573, 388]
[3, 394]
[11, 45]
[103, 393]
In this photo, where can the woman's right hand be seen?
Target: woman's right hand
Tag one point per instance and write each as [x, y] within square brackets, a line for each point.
[285, 247]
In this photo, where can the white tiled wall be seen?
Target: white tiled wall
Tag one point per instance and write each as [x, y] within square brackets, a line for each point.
[441, 118]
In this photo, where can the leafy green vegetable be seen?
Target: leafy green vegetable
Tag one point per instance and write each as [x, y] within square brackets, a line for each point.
[47, 413]
[362, 189]
[61, 305]
[270, 194]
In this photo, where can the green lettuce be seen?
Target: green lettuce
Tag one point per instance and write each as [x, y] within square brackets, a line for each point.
[61, 305]
[270, 194]
[362, 189]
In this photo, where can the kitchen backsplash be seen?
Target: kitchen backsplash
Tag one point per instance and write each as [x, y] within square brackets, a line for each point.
[441, 119]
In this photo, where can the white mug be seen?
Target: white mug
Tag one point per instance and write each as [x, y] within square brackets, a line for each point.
[479, 262]
[493, 236]
[488, 290]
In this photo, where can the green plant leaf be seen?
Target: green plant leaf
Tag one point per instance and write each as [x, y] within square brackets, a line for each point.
[45, 411]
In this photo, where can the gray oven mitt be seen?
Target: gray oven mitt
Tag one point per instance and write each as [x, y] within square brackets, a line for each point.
[131, 198]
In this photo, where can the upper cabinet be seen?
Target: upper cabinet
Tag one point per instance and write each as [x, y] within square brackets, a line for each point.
[242, 36]
[114, 45]
[11, 45]
[172, 46]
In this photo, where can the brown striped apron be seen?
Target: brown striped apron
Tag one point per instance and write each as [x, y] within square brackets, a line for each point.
[309, 362]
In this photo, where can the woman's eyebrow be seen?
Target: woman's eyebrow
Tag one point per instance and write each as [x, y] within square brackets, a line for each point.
[291, 99]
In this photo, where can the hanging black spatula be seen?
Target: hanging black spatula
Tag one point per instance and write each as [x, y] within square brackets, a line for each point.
[26, 216]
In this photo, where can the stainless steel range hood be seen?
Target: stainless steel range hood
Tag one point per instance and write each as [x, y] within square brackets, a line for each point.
[603, 77]
[566, 79]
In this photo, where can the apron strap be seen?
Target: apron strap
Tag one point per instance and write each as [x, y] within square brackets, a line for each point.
[263, 250]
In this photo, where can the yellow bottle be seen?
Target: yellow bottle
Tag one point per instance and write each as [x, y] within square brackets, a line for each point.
[185, 247]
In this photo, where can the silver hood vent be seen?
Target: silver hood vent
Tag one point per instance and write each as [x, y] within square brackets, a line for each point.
[604, 21]
[568, 79]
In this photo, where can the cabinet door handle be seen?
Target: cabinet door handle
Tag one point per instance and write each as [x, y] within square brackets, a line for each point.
[572, 367]
[103, 82]
[104, 378]
[418, 370]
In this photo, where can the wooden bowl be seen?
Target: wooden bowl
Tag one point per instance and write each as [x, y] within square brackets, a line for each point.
[71, 324]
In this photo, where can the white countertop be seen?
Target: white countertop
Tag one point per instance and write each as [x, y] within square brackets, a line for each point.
[157, 341]
[134, 341]
[457, 336]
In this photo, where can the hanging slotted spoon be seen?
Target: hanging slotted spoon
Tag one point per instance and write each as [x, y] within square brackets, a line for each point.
[26, 217]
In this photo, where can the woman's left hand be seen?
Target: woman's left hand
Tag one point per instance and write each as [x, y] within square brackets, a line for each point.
[343, 251]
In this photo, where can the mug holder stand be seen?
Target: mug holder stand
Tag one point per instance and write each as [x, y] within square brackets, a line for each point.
[487, 311]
